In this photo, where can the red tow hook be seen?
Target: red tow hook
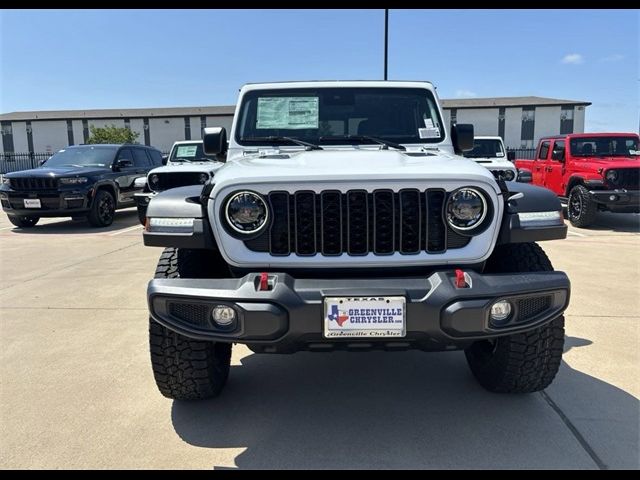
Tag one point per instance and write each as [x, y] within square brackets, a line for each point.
[264, 282]
[461, 281]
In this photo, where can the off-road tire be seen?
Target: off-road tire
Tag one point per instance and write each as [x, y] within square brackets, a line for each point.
[103, 209]
[581, 209]
[23, 221]
[523, 362]
[142, 214]
[183, 368]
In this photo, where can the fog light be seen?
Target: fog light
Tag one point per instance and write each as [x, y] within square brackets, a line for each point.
[223, 316]
[500, 312]
[613, 198]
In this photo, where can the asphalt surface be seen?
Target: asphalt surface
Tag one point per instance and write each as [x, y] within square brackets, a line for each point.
[76, 388]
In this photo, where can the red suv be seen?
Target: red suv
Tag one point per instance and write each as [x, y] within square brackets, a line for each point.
[591, 171]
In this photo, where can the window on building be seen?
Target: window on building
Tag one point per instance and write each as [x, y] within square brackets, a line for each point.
[566, 120]
[528, 125]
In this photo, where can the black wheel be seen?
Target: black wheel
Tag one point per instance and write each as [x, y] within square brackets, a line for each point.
[142, 214]
[103, 209]
[581, 210]
[23, 221]
[523, 362]
[183, 368]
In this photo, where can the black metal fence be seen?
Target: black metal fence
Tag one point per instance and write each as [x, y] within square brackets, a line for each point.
[524, 153]
[13, 162]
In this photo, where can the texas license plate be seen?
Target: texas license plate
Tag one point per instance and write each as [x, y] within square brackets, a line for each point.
[32, 203]
[364, 317]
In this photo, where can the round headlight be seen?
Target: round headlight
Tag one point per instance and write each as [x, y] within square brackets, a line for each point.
[246, 212]
[203, 178]
[154, 180]
[612, 176]
[466, 209]
[509, 175]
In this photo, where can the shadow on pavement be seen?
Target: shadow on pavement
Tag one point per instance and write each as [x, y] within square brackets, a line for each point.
[403, 410]
[571, 342]
[123, 219]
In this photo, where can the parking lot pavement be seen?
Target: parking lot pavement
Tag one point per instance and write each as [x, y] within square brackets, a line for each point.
[77, 390]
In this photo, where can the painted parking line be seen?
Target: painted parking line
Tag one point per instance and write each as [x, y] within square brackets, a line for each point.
[570, 232]
[130, 229]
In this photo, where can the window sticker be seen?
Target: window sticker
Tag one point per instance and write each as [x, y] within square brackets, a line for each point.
[499, 154]
[428, 123]
[186, 151]
[432, 132]
[288, 112]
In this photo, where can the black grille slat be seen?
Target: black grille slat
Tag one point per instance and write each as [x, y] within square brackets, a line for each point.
[629, 178]
[305, 223]
[383, 222]
[34, 183]
[436, 230]
[279, 241]
[410, 221]
[357, 222]
[530, 307]
[331, 222]
[170, 180]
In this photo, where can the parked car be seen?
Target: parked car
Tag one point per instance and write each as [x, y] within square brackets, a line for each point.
[91, 181]
[187, 164]
[591, 172]
[345, 218]
[490, 153]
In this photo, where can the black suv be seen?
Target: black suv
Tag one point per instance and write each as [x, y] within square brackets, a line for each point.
[89, 181]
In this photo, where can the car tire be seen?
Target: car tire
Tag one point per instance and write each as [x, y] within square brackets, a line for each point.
[142, 214]
[184, 368]
[522, 362]
[581, 210]
[103, 209]
[23, 221]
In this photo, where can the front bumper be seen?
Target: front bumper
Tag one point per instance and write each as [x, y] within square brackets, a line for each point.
[54, 203]
[621, 201]
[142, 199]
[289, 316]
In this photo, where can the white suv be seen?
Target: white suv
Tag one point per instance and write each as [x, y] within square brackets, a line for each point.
[490, 153]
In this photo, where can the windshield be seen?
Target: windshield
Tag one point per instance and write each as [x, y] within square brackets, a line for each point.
[339, 116]
[604, 146]
[190, 152]
[485, 148]
[85, 156]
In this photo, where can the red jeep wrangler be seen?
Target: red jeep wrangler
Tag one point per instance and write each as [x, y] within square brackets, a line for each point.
[590, 171]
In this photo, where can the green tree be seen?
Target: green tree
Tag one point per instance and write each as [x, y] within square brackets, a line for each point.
[112, 134]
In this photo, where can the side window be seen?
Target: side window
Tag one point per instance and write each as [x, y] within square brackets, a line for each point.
[125, 154]
[140, 158]
[544, 151]
[558, 150]
[156, 157]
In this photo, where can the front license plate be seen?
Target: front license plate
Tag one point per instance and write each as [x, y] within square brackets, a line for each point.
[32, 203]
[364, 317]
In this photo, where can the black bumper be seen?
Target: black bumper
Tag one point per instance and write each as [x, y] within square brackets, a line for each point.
[63, 203]
[289, 317]
[620, 201]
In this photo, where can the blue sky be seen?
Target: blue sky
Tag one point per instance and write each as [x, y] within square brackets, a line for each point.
[116, 59]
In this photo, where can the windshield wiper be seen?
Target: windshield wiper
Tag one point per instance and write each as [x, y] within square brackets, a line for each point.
[362, 138]
[275, 138]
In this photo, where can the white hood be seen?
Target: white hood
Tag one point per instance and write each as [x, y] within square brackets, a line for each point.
[196, 167]
[360, 165]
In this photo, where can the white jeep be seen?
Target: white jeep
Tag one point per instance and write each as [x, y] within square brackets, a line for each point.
[187, 164]
[490, 153]
[345, 217]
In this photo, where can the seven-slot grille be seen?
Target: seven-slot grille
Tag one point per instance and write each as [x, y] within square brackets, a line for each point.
[177, 179]
[382, 222]
[628, 178]
[34, 183]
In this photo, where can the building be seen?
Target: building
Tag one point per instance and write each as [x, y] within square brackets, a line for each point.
[520, 121]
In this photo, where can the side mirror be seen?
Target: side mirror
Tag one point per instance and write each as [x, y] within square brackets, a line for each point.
[123, 163]
[215, 140]
[165, 159]
[524, 175]
[462, 137]
[511, 156]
